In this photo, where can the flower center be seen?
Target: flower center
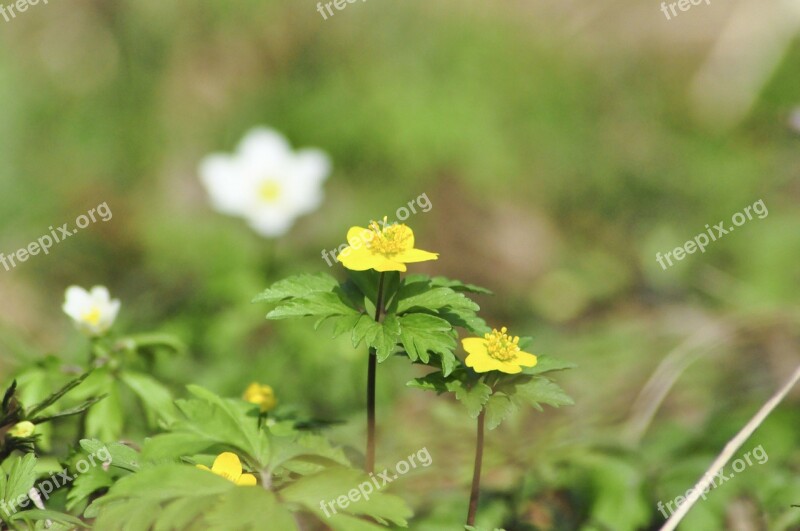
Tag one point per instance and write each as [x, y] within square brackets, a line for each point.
[502, 346]
[269, 191]
[388, 240]
[92, 316]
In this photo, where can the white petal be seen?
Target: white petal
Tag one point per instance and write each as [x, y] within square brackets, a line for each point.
[271, 222]
[224, 181]
[311, 165]
[265, 148]
[100, 295]
[76, 301]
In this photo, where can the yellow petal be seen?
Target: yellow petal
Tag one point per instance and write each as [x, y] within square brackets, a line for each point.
[246, 480]
[415, 255]
[390, 265]
[484, 363]
[360, 235]
[525, 359]
[359, 259]
[204, 467]
[227, 464]
[475, 345]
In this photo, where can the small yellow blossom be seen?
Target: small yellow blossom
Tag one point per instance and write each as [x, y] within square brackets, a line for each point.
[263, 395]
[229, 466]
[497, 351]
[382, 248]
[22, 429]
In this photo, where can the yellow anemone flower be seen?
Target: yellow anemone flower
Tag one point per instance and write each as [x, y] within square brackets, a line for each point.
[496, 351]
[386, 248]
[262, 395]
[227, 465]
[22, 429]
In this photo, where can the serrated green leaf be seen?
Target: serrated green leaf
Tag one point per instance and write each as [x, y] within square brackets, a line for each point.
[247, 509]
[21, 477]
[385, 340]
[498, 408]
[421, 333]
[365, 329]
[419, 295]
[87, 484]
[335, 482]
[298, 286]
[473, 398]
[539, 391]
[319, 304]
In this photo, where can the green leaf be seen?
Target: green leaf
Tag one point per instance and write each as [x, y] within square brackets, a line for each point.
[299, 286]
[36, 515]
[122, 456]
[457, 285]
[87, 484]
[419, 295]
[421, 333]
[80, 408]
[385, 340]
[498, 408]
[155, 397]
[473, 398]
[21, 477]
[319, 304]
[332, 483]
[365, 328]
[539, 391]
[247, 509]
[545, 363]
[104, 420]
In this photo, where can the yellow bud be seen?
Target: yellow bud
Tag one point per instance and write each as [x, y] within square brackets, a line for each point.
[22, 429]
[261, 395]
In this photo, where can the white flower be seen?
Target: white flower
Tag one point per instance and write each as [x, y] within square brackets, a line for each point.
[93, 312]
[265, 182]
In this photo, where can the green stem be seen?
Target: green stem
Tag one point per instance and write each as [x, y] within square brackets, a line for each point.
[476, 473]
[371, 373]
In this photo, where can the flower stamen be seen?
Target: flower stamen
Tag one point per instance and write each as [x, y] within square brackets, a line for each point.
[389, 240]
[501, 346]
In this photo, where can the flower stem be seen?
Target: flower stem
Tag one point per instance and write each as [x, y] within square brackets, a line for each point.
[371, 372]
[476, 474]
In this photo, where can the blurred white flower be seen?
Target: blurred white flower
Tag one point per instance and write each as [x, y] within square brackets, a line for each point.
[93, 312]
[265, 182]
[794, 120]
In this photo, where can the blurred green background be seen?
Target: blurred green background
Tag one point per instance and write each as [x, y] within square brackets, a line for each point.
[562, 144]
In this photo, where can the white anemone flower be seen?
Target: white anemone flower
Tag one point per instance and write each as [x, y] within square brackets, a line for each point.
[265, 182]
[93, 312]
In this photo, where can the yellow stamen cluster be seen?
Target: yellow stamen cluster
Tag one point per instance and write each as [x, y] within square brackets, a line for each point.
[501, 346]
[92, 316]
[388, 240]
[269, 191]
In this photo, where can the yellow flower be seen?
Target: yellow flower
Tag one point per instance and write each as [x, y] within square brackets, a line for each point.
[22, 429]
[496, 351]
[387, 248]
[263, 395]
[227, 465]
